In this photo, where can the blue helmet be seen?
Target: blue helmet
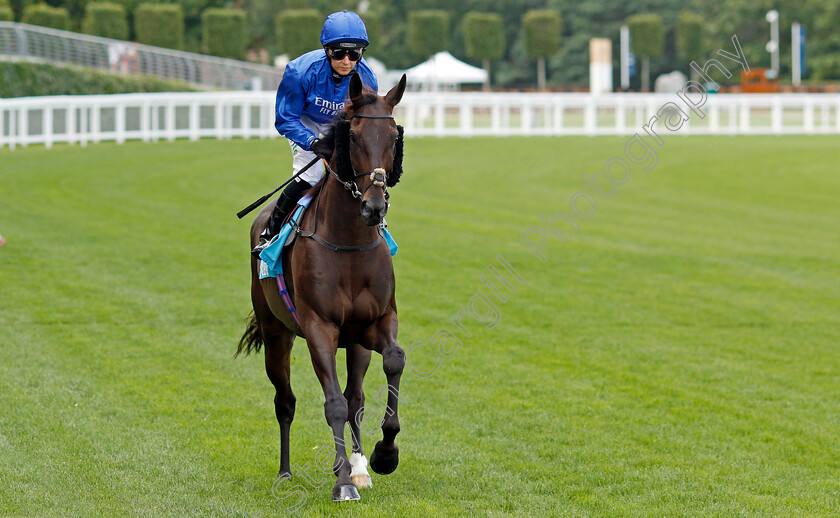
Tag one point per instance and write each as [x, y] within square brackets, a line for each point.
[344, 27]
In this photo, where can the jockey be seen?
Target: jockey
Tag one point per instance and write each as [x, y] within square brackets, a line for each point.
[312, 92]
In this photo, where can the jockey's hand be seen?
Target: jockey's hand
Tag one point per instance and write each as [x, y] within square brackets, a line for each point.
[321, 148]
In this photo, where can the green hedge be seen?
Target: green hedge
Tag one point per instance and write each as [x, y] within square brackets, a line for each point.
[224, 32]
[373, 24]
[107, 20]
[6, 14]
[541, 32]
[298, 31]
[34, 79]
[647, 35]
[46, 16]
[428, 32]
[161, 25]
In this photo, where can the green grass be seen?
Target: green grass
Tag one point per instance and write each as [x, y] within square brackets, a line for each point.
[678, 356]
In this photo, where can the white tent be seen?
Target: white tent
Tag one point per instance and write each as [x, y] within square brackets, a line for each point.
[443, 71]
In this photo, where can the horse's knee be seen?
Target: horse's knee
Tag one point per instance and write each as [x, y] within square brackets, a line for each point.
[335, 409]
[393, 360]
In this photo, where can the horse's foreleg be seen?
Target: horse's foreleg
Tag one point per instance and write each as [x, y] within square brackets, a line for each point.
[322, 340]
[385, 456]
[358, 359]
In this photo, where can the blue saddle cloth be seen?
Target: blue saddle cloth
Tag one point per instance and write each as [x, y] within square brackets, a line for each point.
[271, 258]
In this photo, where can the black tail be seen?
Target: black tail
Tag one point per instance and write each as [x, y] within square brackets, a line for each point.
[252, 339]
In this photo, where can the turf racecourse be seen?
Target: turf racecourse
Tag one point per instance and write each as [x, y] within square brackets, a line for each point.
[678, 356]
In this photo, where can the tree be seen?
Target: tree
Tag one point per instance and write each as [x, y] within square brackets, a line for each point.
[373, 24]
[428, 32]
[298, 31]
[46, 16]
[224, 32]
[690, 38]
[161, 25]
[647, 39]
[6, 13]
[107, 20]
[484, 38]
[541, 34]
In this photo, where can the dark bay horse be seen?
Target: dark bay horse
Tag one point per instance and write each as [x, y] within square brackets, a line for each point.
[341, 280]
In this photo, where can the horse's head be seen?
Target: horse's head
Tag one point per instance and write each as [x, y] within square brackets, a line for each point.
[368, 147]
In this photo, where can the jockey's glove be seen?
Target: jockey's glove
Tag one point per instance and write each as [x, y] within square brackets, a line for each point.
[321, 148]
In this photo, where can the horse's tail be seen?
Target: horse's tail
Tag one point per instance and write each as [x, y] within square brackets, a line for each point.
[252, 339]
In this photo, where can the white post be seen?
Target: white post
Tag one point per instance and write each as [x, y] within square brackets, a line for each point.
[194, 120]
[13, 114]
[95, 123]
[119, 113]
[145, 123]
[246, 120]
[2, 127]
[777, 114]
[600, 66]
[83, 125]
[71, 123]
[47, 118]
[170, 121]
[23, 125]
[796, 53]
[624, 43]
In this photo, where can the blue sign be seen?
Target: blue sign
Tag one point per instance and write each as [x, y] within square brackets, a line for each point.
[631, 63]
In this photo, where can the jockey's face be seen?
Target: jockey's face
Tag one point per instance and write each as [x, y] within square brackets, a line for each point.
[343, 66]
[343, 60]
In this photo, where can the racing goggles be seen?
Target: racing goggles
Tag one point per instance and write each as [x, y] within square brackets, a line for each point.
[338, 54]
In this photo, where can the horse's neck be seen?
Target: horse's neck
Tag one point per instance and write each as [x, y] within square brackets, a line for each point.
[339, 216]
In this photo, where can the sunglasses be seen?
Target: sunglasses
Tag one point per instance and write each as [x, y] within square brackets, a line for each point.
[338, 54]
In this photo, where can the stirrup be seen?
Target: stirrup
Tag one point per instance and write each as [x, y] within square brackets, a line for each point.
[264, 241]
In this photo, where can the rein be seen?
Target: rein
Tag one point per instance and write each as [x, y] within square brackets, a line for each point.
[378, 178]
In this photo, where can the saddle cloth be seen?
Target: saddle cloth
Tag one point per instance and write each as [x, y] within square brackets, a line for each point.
[271, 258]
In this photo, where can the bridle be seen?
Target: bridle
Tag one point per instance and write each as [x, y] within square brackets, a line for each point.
[378, 176]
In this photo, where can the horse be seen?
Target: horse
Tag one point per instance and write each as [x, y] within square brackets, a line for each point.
[340, 277]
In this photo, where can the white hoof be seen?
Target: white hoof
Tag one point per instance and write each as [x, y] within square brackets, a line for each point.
[358, 471]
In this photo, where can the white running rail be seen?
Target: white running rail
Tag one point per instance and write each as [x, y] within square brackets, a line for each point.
[24, 42]
[224, 115]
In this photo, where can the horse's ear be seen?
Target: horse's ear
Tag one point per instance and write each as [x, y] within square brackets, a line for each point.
[356, 87]
[395, 94]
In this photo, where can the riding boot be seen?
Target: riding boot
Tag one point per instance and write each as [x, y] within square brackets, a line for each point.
[286, 203]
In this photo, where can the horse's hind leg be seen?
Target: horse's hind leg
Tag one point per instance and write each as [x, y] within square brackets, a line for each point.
[278, 353]
[278, 356]
[358, 359]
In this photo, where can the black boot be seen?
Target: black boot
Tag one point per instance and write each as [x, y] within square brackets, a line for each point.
[285, 205]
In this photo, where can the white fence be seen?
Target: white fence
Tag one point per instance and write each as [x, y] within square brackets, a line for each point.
[19, 41]
[223, 115]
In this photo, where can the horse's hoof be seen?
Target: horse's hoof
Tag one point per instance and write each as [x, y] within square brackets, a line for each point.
[345, 493]
[384, 459]
[361, 481]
